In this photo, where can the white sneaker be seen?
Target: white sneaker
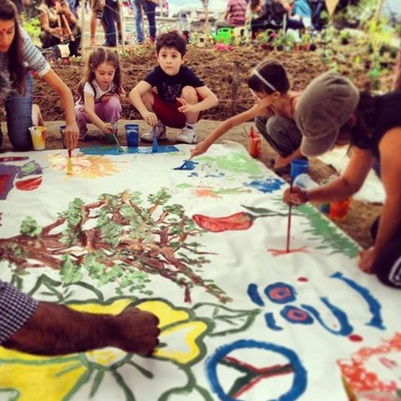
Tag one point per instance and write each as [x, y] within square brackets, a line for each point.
[188, 135]
[160, 133]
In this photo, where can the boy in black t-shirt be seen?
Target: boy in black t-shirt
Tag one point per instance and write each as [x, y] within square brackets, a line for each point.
[181, 96]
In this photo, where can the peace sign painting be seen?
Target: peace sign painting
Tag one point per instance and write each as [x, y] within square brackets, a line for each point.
[205, 250]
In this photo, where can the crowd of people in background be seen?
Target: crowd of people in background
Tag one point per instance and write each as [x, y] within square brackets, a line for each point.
[60, 19]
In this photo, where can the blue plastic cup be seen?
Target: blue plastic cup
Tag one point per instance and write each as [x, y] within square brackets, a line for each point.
[298, 166]
[132, 134]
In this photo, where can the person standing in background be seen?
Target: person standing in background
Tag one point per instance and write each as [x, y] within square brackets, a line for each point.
[109, 16]
[149, 8]
[235, 15]
[96, 7]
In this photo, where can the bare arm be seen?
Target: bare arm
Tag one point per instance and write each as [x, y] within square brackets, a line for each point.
[67, 102]
[390, 165]
[343, 187]
[45, 25]
[349, 182]
[258, 109]
[135, 96]
[209, 99]
[56, 330]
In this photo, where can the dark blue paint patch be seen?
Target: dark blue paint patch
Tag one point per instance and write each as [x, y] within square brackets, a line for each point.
[345, 328]
[253, 293]
[114, 151]
[373, 303]
[300, 375]
[187, 165]
[271, 322]
[267, 186]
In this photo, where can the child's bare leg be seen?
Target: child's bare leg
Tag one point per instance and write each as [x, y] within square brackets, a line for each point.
[190, 95]
[37, 118]
[92, 25]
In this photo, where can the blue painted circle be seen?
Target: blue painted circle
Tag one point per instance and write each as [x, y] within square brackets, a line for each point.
[300, 375]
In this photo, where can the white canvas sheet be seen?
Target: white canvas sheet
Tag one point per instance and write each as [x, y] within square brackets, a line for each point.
[372, 189]
[204, 249]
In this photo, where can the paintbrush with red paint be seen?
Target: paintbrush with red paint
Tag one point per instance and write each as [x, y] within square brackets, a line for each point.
[69, 163]
[287, 248]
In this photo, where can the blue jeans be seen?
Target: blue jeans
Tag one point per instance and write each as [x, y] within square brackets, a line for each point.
[19, 117]
[109, 12]
[150, 10]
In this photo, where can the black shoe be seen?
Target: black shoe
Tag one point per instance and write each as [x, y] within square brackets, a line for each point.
[105, 44]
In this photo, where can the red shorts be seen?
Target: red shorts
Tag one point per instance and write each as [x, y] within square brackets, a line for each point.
[168, 113]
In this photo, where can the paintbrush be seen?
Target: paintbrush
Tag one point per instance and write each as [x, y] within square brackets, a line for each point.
[287, 249]
[155, 145]
[119, 147]
[69, 163]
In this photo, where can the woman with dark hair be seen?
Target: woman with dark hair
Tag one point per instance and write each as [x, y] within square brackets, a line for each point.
[332, 112]
[17, 52]
[59, 25]
[273, 112]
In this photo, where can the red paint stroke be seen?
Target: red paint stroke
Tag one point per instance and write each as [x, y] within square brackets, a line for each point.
[255, 374]
[13, 158]
[4, 179]
[29, 185]
[6, 182]
[355, 338]
[359, 371]
[280, 252]
[235, 222]
[303, 279]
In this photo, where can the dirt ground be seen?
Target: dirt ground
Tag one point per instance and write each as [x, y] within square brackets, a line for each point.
[225, 73]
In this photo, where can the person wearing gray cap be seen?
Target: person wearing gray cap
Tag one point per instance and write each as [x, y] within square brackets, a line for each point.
[332, 112]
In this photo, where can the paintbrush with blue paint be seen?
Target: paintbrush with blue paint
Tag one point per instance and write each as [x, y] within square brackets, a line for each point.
[155, 145]
[119, 147]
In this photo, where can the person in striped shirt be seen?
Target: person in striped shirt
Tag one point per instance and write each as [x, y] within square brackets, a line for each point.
[235, 15]
[18, 55]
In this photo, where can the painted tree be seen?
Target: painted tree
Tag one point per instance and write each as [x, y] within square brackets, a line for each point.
[115, 240]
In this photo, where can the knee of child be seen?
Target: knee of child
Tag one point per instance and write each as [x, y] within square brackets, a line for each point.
[148, 99]
[272, 124]
[20, 142]
[189, 94]
[113, 103]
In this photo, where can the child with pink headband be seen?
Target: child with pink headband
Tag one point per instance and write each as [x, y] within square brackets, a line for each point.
[273, 112]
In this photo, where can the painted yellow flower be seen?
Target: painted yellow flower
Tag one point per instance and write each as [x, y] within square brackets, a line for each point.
[83, 165]
[28, 377]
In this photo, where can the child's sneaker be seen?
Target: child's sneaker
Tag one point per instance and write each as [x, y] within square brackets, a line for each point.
[160, 133]
[188, 135]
